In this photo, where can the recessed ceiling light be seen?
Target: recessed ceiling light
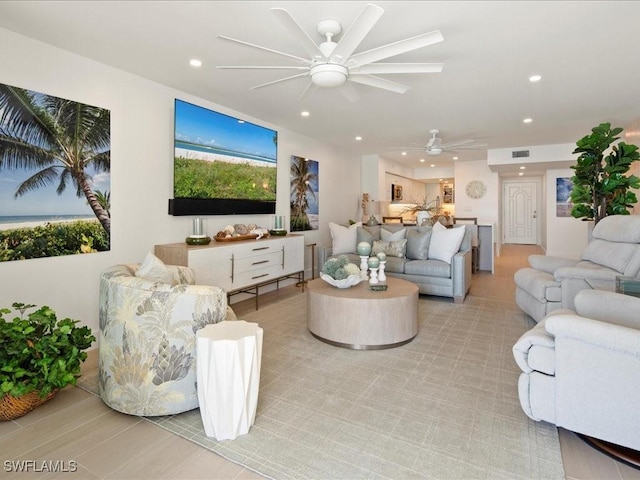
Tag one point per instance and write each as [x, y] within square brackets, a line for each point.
[432, 165]
[194, 62]
[520, 174]
[358, 138]
[404, 153]
[535, 78]
[455, 158]
[523, 167]
[527, 120]
[304, 113]
[422, 160]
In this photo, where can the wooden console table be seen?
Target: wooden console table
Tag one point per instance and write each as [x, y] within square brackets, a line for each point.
[240, 267]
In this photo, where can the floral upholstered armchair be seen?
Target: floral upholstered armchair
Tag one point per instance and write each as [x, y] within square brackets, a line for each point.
[148, 338]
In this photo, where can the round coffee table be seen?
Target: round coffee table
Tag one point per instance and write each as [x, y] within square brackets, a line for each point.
[360, 318]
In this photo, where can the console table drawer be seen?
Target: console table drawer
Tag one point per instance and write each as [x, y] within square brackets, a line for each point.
[256, 248]
[255, 262]
[257, 276]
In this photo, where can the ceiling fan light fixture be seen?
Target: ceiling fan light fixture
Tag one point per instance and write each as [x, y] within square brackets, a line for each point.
[434, 151]
[329, 75]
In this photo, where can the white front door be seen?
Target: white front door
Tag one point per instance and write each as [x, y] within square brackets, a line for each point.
[521, 212]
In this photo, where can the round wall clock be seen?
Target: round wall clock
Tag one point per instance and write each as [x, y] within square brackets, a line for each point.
[475, 189]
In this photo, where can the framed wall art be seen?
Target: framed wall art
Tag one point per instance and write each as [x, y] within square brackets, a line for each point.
[55, 162]
[304, 197]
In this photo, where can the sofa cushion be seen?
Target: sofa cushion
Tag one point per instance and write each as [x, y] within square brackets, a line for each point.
[392, 249]
[368, 233]
[445, 242]
[430, 268]
[395, 265]
[418, 244]
[610, 254]
[389, 236]
[153, 269]
[540, 285]
[618, 228]
[344, 238]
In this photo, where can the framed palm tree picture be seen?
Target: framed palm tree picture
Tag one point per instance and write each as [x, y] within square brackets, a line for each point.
[55, 162]
[304, 198]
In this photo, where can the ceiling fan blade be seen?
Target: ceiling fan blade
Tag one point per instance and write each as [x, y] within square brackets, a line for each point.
[297, 32]
[347, 90]
[459, 143]
[397, 48]
[379, 83]
[259, 67]
[356, 33]
[241, 42]
[306, 74]
[391, 68]
[310, 88]
[466, 147]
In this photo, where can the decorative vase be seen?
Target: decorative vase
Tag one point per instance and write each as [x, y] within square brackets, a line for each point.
[372, 222]
[422, 216]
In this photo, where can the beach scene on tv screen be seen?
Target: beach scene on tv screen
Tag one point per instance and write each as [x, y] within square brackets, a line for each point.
[219, 156]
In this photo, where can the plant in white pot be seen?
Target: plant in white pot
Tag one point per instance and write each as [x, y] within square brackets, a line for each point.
[423, 209]
[600, 186]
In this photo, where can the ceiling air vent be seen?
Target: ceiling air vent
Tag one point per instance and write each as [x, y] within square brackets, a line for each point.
[519, 153]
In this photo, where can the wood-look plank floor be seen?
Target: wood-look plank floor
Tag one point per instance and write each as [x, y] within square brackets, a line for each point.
[84, 435]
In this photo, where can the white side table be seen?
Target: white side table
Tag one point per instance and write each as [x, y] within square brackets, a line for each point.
[228, 358]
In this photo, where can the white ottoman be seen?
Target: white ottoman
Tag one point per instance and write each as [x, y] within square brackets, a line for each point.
[228, 371]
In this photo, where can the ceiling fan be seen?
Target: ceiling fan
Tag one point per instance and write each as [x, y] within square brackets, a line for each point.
[334, 65]
[435, 146]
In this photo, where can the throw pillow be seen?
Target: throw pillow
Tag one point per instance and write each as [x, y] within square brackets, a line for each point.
[154, 270]
[368, 234]
[344, 238]
[445, 242]
[388, 236]
[391, 249]
[418, 244]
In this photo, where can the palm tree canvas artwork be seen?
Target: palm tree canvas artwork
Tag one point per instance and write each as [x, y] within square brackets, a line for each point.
[304, 194]
[55, 159]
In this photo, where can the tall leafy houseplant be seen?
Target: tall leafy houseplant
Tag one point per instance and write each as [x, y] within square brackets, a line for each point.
[600, 186]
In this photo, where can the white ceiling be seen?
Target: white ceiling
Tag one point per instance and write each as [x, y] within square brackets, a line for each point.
[587, 53]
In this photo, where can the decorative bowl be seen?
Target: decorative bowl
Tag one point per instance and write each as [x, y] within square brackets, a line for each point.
[348, 282]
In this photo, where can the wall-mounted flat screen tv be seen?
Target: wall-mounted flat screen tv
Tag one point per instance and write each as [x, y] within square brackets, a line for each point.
[222, 165]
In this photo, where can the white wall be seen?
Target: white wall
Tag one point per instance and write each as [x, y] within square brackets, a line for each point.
[566, 236]
[141, 174]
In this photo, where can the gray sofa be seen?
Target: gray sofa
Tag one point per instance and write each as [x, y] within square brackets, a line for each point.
[432, 276]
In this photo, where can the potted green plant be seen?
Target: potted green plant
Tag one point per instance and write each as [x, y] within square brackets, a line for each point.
[423, 209]
[600, 186]
[40, 355]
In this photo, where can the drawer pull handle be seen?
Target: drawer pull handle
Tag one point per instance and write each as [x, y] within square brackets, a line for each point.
[259, 248]
[258, 263]
[260, 276]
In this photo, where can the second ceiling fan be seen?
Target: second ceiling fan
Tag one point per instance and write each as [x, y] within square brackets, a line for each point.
[334, 64]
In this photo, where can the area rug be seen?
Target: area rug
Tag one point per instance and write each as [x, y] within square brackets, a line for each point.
[444, 406]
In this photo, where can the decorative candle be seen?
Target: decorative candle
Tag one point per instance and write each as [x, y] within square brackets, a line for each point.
[197, 226]
[382, 256]
[374, 262]
[363, 249]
